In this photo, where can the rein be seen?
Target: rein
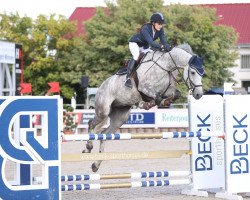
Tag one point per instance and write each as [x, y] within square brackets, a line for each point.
[155, 62]
[191, 86]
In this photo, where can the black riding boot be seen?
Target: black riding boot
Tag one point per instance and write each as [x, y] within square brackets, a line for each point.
[128, 82]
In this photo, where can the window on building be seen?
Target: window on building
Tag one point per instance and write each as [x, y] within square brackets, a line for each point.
[245, 61]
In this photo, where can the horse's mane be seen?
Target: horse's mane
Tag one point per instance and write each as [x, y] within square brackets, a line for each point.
[186, 47]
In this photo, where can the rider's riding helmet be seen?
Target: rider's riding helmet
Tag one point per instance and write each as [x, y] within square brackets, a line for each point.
[157, 17]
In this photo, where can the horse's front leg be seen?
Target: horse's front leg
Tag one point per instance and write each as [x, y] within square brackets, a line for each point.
[118, 117]
[89, 147]
[95, 166]
[95, 126]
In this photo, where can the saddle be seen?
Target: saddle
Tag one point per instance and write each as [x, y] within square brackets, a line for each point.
[123, 70]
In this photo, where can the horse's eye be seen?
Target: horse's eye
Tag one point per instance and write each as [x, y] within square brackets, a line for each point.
[192, 72]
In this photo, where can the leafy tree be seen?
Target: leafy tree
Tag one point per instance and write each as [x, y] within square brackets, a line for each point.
[51, 53]
[216, 44]
[106, 43]
[44, 41]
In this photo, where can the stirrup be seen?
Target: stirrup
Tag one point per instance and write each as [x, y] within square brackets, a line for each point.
[128, 83]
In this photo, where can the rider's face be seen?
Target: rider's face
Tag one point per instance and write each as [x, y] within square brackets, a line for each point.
[158, 26]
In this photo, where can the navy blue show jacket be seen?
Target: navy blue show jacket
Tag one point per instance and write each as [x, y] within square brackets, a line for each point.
[145, 37]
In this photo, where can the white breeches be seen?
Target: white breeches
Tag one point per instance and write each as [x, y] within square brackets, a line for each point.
[136, 50]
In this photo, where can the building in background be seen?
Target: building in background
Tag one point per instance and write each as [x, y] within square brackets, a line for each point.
[236, 15]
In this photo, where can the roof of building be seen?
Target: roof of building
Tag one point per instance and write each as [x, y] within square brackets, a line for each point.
[81, 15]
[236, 15]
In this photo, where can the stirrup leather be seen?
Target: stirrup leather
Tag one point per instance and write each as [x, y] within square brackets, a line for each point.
[128, 83]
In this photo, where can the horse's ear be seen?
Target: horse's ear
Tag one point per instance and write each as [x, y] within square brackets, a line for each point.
[196, 63]
[202, 58]
[192, 59]
[199, 59]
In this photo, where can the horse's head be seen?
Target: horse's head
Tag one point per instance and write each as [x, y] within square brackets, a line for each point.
[192, 75]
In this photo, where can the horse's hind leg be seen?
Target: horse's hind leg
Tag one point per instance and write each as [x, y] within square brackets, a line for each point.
[118, 117]
[95, 126]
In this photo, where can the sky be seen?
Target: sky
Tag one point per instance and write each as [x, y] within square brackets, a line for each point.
[33, 8]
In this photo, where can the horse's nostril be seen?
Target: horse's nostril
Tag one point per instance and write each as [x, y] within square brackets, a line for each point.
[198, 96]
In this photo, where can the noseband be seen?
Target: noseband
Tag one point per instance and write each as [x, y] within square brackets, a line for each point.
[191, 86]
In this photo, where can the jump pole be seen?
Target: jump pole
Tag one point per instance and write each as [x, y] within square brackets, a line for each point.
[135, 184]
[129, 136]
[123, 155]
[134, 175]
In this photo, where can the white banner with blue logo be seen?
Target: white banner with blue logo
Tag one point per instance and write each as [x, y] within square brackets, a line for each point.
[171, 118]
[26, 148]
[139, 118]
[208, 168]
[237, 112]
[7, 52]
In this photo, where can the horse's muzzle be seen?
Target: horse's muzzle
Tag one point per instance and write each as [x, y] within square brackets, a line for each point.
[197, 92]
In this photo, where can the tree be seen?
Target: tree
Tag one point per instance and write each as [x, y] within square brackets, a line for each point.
[108, 32]
[216, 44]
[106, 44]
[44, 41]
[52, 54]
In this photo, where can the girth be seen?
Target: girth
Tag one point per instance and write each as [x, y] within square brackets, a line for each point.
[143, 96]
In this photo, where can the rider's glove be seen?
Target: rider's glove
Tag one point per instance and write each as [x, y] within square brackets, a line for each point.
[162, 48]
[165, 48]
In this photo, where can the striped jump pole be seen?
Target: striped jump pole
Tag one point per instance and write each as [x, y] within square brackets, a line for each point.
[129, 136]
[134, 175]
[136, 184]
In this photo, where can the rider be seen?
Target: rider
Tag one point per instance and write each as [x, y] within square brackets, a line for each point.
[144, 39]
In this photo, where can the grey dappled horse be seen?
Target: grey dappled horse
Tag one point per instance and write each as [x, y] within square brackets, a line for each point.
[157, 74]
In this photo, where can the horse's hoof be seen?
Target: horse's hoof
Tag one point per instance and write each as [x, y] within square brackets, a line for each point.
[94, 168]
[85, 151]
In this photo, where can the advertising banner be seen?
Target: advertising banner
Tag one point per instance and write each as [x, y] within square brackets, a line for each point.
[206, 114]
[139, 118]
[7, 52]
[171, 118]
[27, 149]
[237, 113]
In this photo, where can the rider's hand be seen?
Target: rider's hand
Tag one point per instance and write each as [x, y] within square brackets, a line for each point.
[167, 48]
[162, 48]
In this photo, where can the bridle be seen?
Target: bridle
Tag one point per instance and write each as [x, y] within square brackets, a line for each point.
[188, 82]
[191, 86]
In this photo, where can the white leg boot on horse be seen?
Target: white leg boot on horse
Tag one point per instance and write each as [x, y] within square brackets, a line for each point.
[131, 64]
